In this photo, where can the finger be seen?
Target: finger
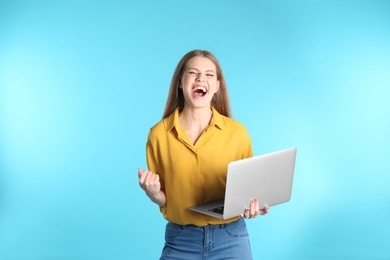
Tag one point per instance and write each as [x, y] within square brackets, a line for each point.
[152, 181]
[144, 177]
[141, 175]
[148, 178]
[253, 210]
[265, 210]
[257, 205]
[154, 178]
[246, 214]
[140, 172]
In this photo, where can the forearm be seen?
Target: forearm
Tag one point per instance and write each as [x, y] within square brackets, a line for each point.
[158, 198]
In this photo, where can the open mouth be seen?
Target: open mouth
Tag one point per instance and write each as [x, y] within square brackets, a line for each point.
[200, 91]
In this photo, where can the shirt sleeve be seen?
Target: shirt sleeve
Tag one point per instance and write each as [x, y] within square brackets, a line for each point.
[151, 158]
[247, 145]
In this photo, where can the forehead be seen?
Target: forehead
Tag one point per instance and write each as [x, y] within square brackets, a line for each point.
[202, 63]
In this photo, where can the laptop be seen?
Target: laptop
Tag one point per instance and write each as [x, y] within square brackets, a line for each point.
[266, 177]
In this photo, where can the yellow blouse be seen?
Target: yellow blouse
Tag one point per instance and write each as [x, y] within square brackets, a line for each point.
[191, 174]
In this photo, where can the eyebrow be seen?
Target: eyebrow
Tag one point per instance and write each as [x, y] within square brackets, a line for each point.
[210, 70]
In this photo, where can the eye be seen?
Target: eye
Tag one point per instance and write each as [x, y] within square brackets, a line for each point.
[210, 75]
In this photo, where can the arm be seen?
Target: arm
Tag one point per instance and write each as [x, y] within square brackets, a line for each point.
[150, 183]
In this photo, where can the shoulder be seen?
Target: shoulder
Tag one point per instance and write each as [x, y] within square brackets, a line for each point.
[233, 122]
[230, 124]
[157, 130]
[163, 126]
[224, 122]
[159, 126]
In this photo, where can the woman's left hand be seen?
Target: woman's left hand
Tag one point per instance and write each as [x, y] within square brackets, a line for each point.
[253, 211]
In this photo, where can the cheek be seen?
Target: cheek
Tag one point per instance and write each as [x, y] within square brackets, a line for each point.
[215, 87]
[184, 82]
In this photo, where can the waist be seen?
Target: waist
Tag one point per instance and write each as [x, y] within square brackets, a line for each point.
[209, 226]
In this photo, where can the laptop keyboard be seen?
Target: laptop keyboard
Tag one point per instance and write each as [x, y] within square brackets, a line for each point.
[218, 210]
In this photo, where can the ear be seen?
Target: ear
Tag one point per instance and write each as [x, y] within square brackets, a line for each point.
[218, 84]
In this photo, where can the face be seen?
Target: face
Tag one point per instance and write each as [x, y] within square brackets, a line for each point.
[199, 82]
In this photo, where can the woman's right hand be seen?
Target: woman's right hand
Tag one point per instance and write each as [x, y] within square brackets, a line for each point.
[150, 183]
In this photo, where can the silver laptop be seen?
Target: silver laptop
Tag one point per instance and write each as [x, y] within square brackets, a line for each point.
[266, 177]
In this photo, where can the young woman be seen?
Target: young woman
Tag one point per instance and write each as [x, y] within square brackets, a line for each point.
[187, 155]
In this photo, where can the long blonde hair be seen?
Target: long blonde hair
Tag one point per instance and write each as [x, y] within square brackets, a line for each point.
[175, 99]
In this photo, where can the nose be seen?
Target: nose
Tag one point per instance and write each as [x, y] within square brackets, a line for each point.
[200, 77]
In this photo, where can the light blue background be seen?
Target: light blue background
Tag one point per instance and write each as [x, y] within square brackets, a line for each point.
[81, 83]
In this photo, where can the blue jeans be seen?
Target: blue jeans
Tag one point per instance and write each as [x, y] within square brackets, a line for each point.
[189, 242]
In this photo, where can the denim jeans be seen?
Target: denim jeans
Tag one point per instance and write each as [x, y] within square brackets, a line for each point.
[189, 242]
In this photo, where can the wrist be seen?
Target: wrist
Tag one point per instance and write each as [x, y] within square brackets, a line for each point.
[158, 198]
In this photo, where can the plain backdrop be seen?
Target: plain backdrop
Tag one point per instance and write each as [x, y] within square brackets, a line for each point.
[81, 83]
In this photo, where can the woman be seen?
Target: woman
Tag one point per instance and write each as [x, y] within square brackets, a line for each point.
[187, 154]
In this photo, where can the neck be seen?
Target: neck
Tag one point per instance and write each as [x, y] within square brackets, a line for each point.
[195, 119]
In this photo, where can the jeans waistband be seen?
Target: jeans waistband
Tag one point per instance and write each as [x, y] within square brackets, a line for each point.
[209, 226]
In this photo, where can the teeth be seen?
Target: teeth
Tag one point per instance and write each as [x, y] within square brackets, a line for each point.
[201, 88]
